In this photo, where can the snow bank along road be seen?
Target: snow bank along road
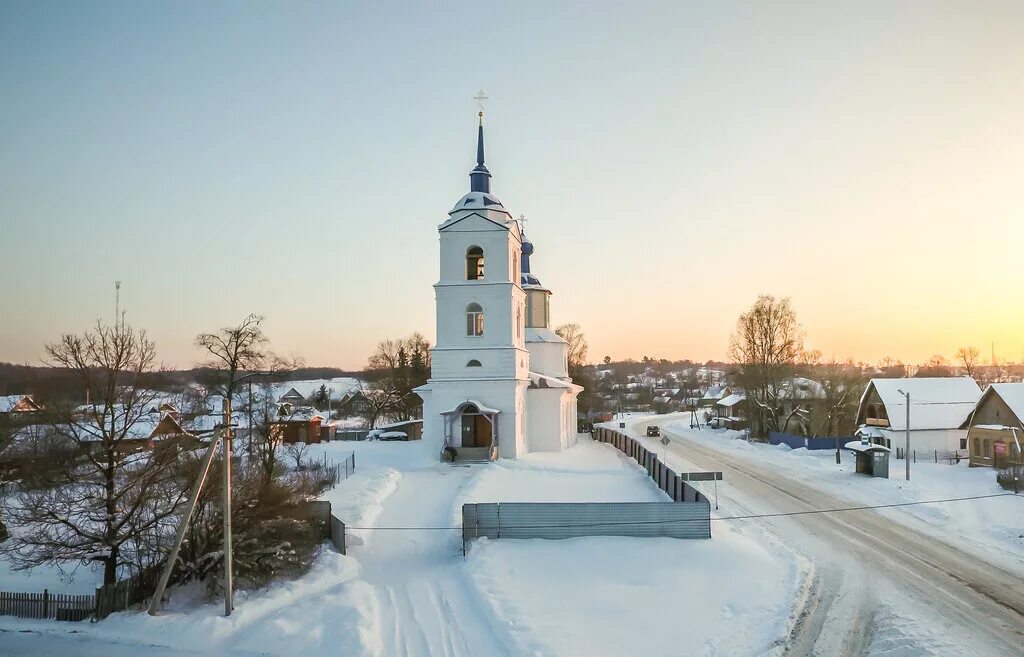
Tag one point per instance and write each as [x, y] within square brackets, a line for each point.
[973, 605]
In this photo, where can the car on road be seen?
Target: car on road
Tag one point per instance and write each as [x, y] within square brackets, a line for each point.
[653, 430]
[716, 423]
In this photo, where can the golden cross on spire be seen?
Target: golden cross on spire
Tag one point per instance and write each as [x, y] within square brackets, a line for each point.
[481, 100]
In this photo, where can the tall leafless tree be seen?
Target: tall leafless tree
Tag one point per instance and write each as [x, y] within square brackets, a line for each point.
[573, 334]
[767, 346]
[969, 358]
[116, 501]
[236, 353]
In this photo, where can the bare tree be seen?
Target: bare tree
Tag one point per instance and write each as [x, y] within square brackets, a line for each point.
[767, 346]
[937, 365]
[842, 385]
[573, 334]
[969, 357]
[393, 370]
[297, 452]
[117, 500]
[236, 354]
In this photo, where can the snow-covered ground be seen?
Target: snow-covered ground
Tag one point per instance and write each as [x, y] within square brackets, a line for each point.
[992, 528]
[406, 589]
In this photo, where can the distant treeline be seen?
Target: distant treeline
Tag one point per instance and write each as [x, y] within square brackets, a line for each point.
[53, 382]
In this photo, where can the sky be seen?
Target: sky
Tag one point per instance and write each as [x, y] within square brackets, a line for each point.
[674, 160]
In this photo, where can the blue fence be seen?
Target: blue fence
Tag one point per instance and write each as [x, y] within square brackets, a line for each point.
[797, 442]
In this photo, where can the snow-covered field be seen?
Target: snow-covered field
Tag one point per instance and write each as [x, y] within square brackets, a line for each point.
[993, 528]
[406, 589]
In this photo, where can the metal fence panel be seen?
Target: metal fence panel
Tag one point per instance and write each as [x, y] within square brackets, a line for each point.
[570, 520]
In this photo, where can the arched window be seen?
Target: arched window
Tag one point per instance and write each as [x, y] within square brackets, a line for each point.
[515, 268]
[474, 363]
[474, 263]
[519, 322]
[474, 319]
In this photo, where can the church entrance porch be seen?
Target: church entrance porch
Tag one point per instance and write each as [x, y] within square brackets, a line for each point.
[471, 429]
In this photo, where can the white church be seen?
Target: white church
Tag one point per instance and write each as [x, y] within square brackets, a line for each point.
[499, 384]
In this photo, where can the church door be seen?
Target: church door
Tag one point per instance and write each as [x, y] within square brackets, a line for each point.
[482, 430]
[476, 429]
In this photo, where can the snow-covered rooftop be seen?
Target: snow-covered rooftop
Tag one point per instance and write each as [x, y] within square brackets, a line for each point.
[1013, 395]
[9, 402]
[542, 335]
[858, 446]
[732, 399]
[935, 402]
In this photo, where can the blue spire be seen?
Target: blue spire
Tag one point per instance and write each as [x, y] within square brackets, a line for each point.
[480, 177]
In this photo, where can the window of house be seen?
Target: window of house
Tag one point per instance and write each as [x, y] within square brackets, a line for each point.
[474, 263]
[963, 443]
[474, 319]
[474, 363]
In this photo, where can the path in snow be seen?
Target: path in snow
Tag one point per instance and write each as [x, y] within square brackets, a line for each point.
[426, 605]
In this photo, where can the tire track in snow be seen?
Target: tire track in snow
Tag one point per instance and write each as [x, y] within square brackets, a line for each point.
[424, 602]
[926, 575]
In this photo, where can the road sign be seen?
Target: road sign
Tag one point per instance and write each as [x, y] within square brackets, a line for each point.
[700, 476]
[1000, 448]
[665, 440]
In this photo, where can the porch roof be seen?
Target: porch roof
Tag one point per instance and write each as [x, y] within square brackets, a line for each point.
[484, 410]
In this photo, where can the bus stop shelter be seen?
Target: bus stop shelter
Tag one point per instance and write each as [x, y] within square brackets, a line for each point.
[872, 459]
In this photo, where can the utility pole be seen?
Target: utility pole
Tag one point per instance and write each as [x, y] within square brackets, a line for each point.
[117, 302]
[228, 580]
[906, 455]
[172, 558]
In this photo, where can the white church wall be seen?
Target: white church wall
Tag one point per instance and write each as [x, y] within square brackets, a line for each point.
[495, 362]
[551, 419]
[548, 358]
[496, 299]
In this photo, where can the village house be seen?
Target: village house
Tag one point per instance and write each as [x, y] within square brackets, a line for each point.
[939, 407]
[713, 395]
[296, 425]
[733, 410]
[14, 405]
[994, 429]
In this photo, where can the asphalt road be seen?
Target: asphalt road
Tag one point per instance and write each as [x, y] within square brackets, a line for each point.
[977, 602]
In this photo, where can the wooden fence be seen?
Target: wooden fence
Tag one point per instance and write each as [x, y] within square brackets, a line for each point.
[47, 606]
[93, 606]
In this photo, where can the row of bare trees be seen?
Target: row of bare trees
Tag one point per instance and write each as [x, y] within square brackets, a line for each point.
[118, 498]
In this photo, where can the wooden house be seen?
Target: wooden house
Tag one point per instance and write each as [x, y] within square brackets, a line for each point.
[298, 425]
[995, 432]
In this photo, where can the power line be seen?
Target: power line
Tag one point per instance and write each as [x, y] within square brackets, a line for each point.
[718, 519]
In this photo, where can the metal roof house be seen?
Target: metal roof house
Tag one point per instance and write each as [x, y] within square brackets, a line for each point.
[939, 406]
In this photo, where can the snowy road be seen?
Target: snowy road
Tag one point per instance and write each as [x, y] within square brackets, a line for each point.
[881, 588]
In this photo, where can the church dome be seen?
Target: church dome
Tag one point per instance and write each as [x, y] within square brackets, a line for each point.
[479, 201]
[527, 279]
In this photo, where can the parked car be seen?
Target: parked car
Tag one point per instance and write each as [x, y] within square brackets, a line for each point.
[716, 423]
[393, 435]
[653, 430]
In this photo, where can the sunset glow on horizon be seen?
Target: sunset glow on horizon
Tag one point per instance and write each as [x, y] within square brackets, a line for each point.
[865, 161]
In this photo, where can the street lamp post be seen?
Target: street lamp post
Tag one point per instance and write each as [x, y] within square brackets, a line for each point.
[906, 455]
